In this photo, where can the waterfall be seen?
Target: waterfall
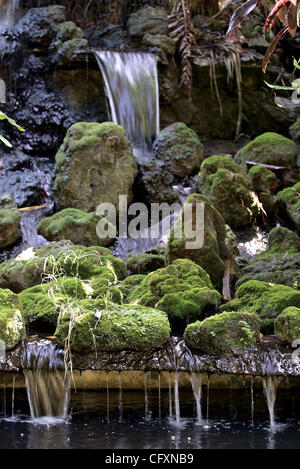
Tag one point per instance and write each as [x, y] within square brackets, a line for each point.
[47, 384]
[131, 85]
[8, 10]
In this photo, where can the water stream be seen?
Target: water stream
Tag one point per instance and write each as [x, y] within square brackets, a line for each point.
[131, 85]
[47, 383]
[8, 10]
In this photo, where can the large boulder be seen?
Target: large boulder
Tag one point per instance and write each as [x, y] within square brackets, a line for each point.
[280, 263]
[210, 254]
[269, 148]
[223, 333]
[267, 300]
[263, 179]
[60, 258]
[287, 325]
[114, 328]
[229, 190]
[10, 219]
[182, 289]
[148, 20]
[94, 165]
[289, 198]
[76, 225]
[177, 153]
[12, 328]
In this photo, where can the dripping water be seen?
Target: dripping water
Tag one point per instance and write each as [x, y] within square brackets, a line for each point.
[170, 396]
[120, 398]
[176, 397]
[159, 397]
[207, 399]
[13, 398]
[131, 85]
[47, 383]
[147, 415]
[107, 398]
[270, 384]
[252, 400]
[197, 391]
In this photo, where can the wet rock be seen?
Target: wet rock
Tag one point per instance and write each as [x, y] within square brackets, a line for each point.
[12, 328]
[208, 247]
[76, 225]
[231, 241]
[228, 332]
[263, 179]
[117, 327]
[269, 148]
[38, 25]
[229, 190]
[289, 199]
[29, 268]
[182, 289]
[267, 300]
[94, 165]
[177, 153]
[280, 263]
[287, 325]
[10, 219]
[147, 20]
[144, 263]
[295, 131]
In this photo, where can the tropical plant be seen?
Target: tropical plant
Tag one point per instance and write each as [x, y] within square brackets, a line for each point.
[287, 12]
[12, 122]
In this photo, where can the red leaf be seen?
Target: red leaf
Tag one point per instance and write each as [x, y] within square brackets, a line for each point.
[272, 47]
[241, 14]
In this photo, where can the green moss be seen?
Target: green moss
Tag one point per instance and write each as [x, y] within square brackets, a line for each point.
[229, 190]
[182, 289]
[223, 333]
[290, 199]
[287, 325]
[78, 226]
[263, 179]
[115, 328]
[43, 303]
[70, 260]
[9, 226]
[269, 148]
[128, 285]
[12, 328]
[211, 255]
[281, 241]
[267, 300]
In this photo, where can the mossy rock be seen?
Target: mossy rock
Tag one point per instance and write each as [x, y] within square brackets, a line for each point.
[128, 285]
[213, 249]
[267, 300]
[294, 130]
[223, 333]
[9, 226]
[76, 225]
[287, 325]
[65, 259]
[43, 303]
[263, 179]
[289, 198]
[68, 44]
[94, 165]
[180, 150]
[269, 148]
[115, 328]
[280, 263]
[229, 190]
[144, 263]
[12, 327]
[182, 289]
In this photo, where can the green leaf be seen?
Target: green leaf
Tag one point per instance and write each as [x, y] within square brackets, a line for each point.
[5, 141]
[278, 87]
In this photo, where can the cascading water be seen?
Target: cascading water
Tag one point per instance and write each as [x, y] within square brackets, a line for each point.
[131, 84]
[270, 384]
[8, 9]
[47, 383]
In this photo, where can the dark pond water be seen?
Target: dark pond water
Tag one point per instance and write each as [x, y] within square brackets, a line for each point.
[232, 422]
